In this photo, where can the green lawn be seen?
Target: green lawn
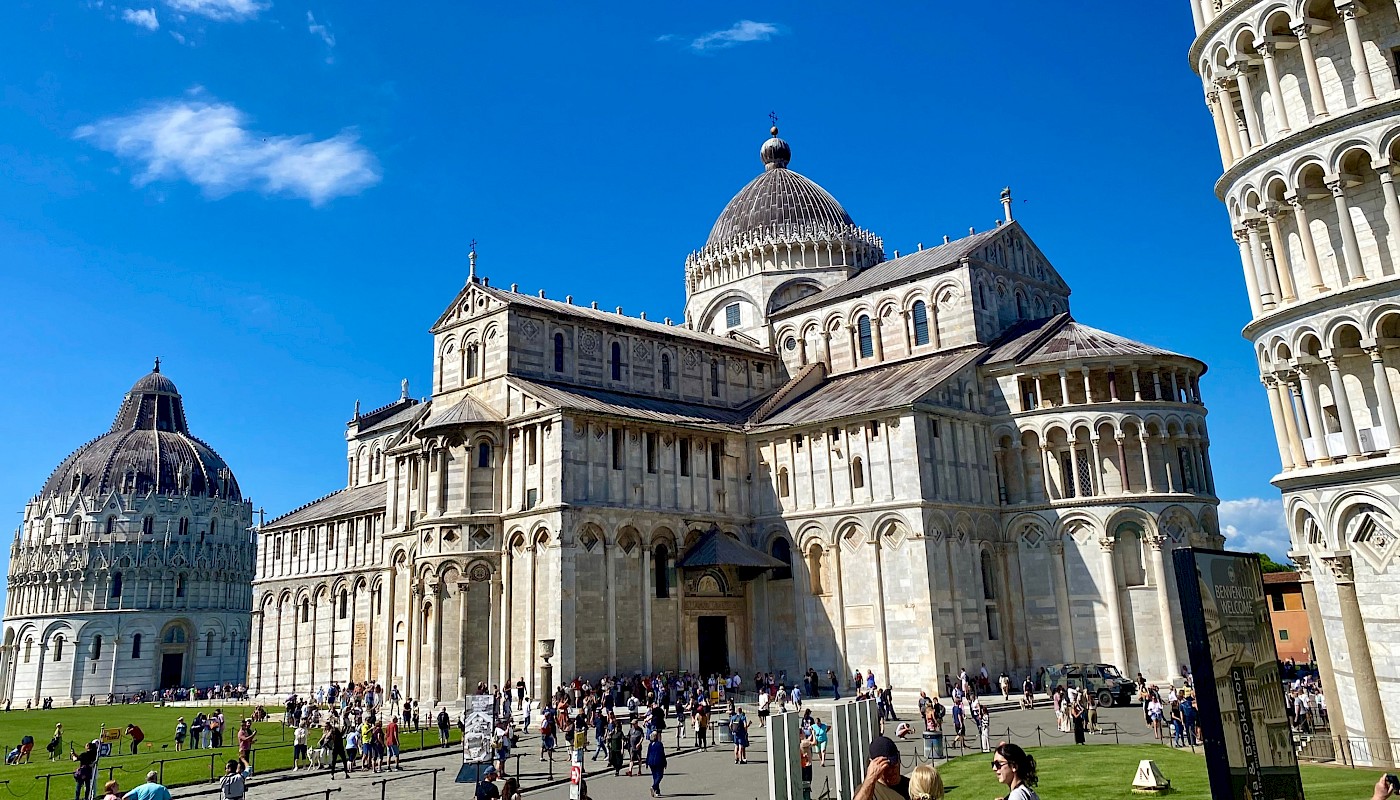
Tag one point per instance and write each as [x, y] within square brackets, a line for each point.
[1105, 772]
[81, 724]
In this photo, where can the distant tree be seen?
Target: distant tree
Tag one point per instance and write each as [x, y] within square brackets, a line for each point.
[1267, 564]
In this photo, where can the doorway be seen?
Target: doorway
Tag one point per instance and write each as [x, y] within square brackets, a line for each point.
[713, 641]
[172, 669]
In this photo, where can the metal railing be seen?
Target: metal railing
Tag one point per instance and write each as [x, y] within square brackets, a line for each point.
[1352, 751]
[383, 783]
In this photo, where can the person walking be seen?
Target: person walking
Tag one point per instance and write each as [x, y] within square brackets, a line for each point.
[337, 748]
[247, 737]
[656, 762]
[614, 738]
[739, 732]
[444, 725]
[1015, 769]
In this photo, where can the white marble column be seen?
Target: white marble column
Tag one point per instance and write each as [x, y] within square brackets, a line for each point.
[1115, 604]
[1290, 423]
[1319, 101]
[1343, 405]
[1305, 237]
[1266, 51]
[1222, 138]
[1385, 398]
[1251, 285]
[1285, 453]
[1352, 268]
[1268, 284]
[1251, 119]
[1365, 91]
[1063, 610]
[1160, 552]
[1147, 462]
[1277, 254]
[1313, 412]
[1392, 203]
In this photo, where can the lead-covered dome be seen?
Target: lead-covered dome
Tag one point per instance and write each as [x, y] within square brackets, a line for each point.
[149, 450]
[780, 202]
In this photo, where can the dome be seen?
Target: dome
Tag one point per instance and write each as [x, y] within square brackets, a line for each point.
[780, 202]
[149, 450]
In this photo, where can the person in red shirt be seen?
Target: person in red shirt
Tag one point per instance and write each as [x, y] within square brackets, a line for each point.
[136, 735]
[391, 744]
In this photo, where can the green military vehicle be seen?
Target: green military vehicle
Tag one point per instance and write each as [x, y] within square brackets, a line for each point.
[1104, 681]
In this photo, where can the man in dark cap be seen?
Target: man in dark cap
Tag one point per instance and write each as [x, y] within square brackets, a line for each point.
[882, 778]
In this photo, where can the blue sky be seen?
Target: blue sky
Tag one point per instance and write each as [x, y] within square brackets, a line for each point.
[277, 197]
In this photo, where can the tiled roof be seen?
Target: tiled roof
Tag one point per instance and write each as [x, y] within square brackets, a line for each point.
[899, 269]
[599, 401]
[1060, 338]
[392, 414]
[1285, 578]
[875, 389]
[339, 503]
[601, 317]
[467, 411]
[718, 549]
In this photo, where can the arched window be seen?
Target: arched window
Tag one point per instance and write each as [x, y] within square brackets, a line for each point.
[209, 643]
[344, 604]
[469, 361]
[714, 377]
[184, 526]
[58, 648]
[111, 525]
[1020, 306]
[857, 473]
[814, 568]
[783, 487]
[136, 646]
[867, 340]
[989, 580]
[97, 647]
[175, 635]
[427, 622]
[233, 643]
[213, 526]
[558, 352]
[148, 525]
[76, 527]
[28, 649]
[616, 361]
[179, 585]
[305, 610]
[663, 575]
[665, 371]
[920, 322]
[116, 584]
[483, 455]
[1127, 551]
[782, 551]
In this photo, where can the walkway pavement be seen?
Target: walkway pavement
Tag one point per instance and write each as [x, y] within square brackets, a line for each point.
[692, 773]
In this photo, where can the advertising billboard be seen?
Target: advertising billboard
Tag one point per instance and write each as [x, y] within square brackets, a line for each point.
[1239, 691]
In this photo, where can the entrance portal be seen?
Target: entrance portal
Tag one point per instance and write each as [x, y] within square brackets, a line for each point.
[172, 669]
[713, 636]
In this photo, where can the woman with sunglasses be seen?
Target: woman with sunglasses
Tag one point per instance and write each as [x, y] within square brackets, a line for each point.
[1015, 768]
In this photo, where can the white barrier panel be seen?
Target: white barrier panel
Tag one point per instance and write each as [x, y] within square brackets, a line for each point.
[784, 760]
[853, 726]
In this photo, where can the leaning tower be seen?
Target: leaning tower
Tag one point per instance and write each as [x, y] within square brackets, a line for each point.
[1306, 108]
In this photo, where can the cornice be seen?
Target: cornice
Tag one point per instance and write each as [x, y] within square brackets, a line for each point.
[1295, 140]
[1357, 292]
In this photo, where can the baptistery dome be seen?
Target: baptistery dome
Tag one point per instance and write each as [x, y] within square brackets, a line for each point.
[148, 450]
[136, 549]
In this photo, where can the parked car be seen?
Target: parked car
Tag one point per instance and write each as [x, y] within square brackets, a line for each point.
[1104, 681]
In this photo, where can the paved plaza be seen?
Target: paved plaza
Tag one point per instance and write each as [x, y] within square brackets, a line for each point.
[692, 773]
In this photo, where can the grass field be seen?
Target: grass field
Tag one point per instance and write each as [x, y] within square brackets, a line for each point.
[81, 724]
[1105, 772]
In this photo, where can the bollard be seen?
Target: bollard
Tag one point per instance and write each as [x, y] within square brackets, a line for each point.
[1038, 740]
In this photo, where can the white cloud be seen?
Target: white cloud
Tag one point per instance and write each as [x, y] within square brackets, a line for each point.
[317, 29]
[142, 17]
[745, 30]
[221, 10]
[1255, 524]
[210, 145]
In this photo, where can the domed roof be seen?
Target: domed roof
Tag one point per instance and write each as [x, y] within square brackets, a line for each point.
[148, 450]
[780, 202]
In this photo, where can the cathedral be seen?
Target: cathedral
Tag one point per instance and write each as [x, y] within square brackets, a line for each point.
[132, 569]
[835, 459]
